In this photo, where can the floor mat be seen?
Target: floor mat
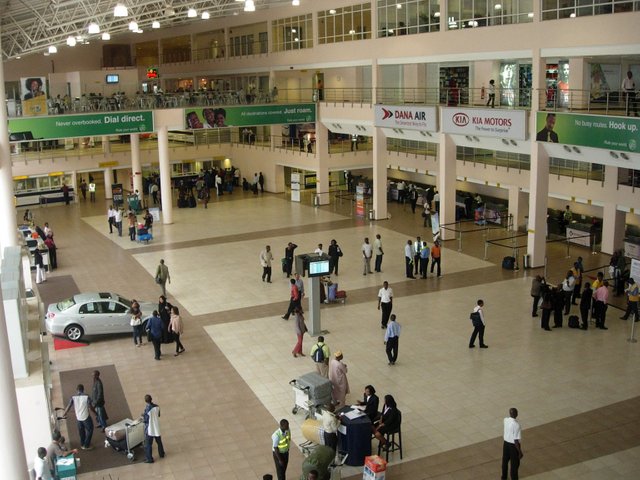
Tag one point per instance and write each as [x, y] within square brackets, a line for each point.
[57, 288]
[99, 458]
[62, 344]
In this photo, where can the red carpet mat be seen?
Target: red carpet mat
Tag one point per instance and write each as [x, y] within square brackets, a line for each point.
[62, 344]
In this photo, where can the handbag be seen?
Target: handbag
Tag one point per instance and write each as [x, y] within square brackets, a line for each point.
[158, 279]
[475, 319]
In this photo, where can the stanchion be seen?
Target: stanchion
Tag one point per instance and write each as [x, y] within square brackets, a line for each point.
[632, 337]
[486, 249]
[545, 267]
[459, 237]
[516, 251]
[568, 254]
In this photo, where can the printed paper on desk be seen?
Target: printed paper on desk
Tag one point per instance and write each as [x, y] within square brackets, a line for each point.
[352, 414]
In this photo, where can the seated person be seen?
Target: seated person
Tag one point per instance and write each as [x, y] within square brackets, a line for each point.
[389, 421]
[370, 403]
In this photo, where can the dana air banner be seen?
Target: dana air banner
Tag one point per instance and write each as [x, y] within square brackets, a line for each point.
[249, 115]
[485, 122]
[409, 118]
[90, 125]
[597, 131]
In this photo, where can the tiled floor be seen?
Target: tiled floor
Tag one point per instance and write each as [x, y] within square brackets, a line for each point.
[222, 399]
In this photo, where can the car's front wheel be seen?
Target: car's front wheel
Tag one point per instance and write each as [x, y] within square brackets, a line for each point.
[73, 332]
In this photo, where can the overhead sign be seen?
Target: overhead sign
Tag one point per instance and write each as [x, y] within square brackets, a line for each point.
[250, 115]
[597, 131]
[485, 122]
[90, 125]
[406, 117]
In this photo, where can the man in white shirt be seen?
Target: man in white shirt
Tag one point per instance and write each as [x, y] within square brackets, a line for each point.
[111, 218]
[318, 250]
[266, 258]
[385, 303]
[417, 246]
[41, 466]
[408, 259]
[80, 403]
[629, 88]
[117, 219]
[377, 249]
[391, 339]
[511, 448]
[151, 419]
[477, 318]
[400, 186]
[367, 252]
[92, 191]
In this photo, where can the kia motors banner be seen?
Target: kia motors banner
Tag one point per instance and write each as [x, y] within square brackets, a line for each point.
[249, 115]
[71, 126]
[485, 122]
[409, 118]
[597, 131]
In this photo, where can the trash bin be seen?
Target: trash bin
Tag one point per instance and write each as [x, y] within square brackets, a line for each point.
[525, 261]
[372, 214]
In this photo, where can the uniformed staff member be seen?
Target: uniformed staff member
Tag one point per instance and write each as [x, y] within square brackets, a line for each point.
[281, 440]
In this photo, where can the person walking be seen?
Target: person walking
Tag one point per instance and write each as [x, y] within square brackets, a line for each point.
[154, 328]
[377, 250]
[367, 252]
[385, 303]
[301, 329]
[288, 258]
[629, 89]
[536, 292]
[492, 94]
[335, 252]
[136, 322]
[117, 220]
[511, 447]
[81, 403]
[320, 354]
[392, 339]
[162, 276]
[424, 259]
[176, 325]
[83, 189]
[436, 256]
[92, 191]
[41, 275]
[294, 299]
[338, 379]
[633, 295]
[111, 215]
[266, 257]
[281, 441]
[97, 400]
[408, 259]
[426, 214]
[151, 419]
[477, 318]
[132, 221]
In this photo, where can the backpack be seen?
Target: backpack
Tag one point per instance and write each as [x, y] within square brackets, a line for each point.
[475, 319]
[318, 355]
[574, 321]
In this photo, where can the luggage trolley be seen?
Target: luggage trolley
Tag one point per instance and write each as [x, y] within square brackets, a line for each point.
[124, 436]
[310, 391]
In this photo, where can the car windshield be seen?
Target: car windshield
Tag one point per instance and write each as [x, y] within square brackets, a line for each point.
[125, 301]
[64, 304]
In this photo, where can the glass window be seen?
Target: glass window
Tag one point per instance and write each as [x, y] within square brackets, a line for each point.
[483, 13]
[554, 9]
[292, 33]
[113, 307]
[91, 307]
[407, 17]
[344, 24]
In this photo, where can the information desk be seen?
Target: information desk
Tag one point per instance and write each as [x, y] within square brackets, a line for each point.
[354, 437]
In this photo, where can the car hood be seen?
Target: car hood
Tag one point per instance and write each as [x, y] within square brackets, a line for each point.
[147, 308]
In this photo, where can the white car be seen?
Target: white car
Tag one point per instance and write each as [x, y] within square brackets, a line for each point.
[92, 314]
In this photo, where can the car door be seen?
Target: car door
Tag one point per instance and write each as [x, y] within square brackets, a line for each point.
[117, 317]
[91, 318]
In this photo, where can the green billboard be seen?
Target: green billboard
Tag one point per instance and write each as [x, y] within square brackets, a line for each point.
[82, 125]
[597, 131]
[249, 115]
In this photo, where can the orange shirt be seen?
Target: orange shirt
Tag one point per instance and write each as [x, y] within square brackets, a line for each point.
[435, 251]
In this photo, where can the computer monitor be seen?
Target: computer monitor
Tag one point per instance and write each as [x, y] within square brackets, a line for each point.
[318, 268]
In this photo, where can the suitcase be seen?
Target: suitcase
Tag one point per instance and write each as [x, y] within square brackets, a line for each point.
[574, 321]
[508, 263]
[332, 290]
[319, 388]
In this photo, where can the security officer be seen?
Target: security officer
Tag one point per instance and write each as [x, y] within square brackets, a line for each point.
[281, 440]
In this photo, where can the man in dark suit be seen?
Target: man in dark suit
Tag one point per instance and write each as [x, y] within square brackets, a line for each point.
[547, 134]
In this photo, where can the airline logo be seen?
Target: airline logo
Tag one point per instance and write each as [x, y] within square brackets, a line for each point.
[411, 118]
[386, 113]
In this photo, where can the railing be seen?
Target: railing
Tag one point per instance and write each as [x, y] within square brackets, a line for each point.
[576, 169]
[629, 177]
[515, 161]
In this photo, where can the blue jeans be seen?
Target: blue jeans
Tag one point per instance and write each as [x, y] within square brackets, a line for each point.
[85, 429]
[148, 444]
[137, 334]
[101, 416]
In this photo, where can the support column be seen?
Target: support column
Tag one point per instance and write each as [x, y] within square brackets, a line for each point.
[322, 161]
[538, 200]
[9, 230]
[74, 185]
[108, 181]
[613, 220]
[518, 206]
[447, 184]
[106, 145]
[379, 175]
[136, 168]
[165, 176]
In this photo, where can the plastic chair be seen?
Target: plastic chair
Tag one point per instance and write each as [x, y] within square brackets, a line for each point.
[392, 444]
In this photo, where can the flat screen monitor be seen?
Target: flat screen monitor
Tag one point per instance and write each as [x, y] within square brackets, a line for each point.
[318, 268]
[113, 78]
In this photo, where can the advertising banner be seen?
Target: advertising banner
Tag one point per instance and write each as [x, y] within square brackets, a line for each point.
[90, 125]
[605, 81]
[249, 115]
[33, 91]
[117, 194]
[360, 200]
[485, 122]
[409, 118]
[597, 131]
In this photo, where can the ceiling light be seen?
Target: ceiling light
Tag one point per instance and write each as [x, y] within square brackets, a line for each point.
[155, 24]
[398, 6]
[293, 30]
[296, 39]
[249, 6]
[106, 36]
[332, 11]
[53, 49]
[530, 14]
[71, 41]
[437, 14]
[295, 3]
[133, 26]
[120, 11]
[497, 6]
[573, 15]
[205, 16]
[390, 31]
[191, 13]
[18, 57]
[352, 32]
[93, 28]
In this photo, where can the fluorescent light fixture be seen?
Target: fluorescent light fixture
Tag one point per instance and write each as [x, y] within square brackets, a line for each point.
[573, 15]
[53, 49]
[18, 57]
[497, 6]
[191, 13]
[399, 6]
[293, 30]
[352, 32]
[332, 11]
[93, 28]
[133, 26]
[71, 41]
[473, 23]
[155, 24]
[530, 14]
[437, 14]
[205, 16]
[390, 31]
[106, 36]
[296, 39]
[295, 3]
[249, 6]
[120, 11]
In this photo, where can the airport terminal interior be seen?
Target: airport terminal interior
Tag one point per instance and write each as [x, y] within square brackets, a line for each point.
[335, 177]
